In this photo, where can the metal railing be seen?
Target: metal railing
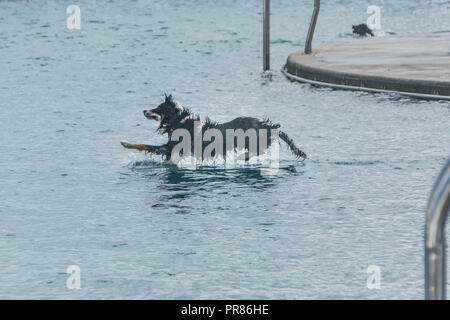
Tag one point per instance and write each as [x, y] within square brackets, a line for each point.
[437, 211]
[266, 31]
[266, 35]
[312, 26]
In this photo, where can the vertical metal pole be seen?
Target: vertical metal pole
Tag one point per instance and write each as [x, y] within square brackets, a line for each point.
[266, 35]
[312, 26]
[437, 211]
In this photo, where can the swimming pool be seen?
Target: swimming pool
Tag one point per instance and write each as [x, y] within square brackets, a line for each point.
[71, 195]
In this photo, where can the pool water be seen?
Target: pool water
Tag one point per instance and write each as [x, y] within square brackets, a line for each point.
[136, 228]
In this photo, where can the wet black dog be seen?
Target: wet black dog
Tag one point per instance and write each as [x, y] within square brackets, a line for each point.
[362, 30]
[171, 116]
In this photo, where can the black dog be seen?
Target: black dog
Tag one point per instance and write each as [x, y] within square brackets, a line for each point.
[362, 29]
[171, 115]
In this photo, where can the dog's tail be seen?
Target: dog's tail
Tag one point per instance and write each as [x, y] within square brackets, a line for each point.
[298, 153]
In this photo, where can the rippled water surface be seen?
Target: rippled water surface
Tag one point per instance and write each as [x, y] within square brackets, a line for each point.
[71, 195]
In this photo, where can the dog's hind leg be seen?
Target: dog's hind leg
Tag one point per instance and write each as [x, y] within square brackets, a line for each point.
[299, 153]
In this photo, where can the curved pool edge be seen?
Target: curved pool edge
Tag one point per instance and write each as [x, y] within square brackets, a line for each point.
[355, 88]
[300, 67]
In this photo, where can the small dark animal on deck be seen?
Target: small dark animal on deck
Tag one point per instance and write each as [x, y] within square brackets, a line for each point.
[362, 30]
[171, 115]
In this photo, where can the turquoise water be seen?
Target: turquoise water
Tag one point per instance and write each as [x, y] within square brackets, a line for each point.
[71, 195]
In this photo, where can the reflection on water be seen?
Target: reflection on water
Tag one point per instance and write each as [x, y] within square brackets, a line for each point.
[203, 178]
[209, 189]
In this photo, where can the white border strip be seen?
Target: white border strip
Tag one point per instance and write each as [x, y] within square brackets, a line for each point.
[345, 87]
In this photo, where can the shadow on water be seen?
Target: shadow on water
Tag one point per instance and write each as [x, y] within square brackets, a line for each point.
[203, 181]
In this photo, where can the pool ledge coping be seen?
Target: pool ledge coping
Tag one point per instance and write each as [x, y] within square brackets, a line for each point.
[306, 68]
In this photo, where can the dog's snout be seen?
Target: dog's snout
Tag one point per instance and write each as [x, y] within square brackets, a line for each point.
[149, 114]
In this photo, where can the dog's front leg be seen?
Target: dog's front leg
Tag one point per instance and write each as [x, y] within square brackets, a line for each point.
[145, 147]
[129, 145]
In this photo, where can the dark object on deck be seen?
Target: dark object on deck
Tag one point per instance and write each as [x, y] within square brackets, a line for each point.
[362, 30]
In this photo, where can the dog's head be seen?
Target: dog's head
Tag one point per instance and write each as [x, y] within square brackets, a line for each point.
[166, 111]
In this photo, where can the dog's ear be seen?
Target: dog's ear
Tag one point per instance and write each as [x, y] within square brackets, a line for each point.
[178, 106]
[168, 98]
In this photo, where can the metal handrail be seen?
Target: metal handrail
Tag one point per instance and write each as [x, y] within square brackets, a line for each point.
[312, 26]
[266, 31]
[266, 35]
[437, 211]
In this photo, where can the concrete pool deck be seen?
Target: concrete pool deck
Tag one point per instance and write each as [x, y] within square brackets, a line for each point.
[416, 65]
